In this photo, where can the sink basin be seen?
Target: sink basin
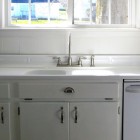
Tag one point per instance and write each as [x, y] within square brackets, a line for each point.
[93, 72]
[46, 72]
[70, 72]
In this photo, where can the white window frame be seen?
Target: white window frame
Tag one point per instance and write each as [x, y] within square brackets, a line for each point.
[131, 20]
[2, 15]
[134, 20]
[137, 15]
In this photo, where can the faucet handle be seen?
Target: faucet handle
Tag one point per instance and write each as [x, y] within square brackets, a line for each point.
[59, 60]
[92, 61]
[80, 60]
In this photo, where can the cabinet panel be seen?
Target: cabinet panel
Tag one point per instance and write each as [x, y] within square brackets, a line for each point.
[81, 90]
[94, 120]
[45, 121]
[4, 90]
[5, 121]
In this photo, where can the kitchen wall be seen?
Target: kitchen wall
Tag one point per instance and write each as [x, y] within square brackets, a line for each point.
[83, 41]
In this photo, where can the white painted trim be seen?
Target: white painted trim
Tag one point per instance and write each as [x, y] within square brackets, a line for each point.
[70, 11]
[133, 13]
[2, 17]
[1, 13]
[137, 13]
[29, 18]
[7, 13]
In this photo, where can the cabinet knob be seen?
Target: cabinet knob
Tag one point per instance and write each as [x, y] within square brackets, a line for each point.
[69, 90]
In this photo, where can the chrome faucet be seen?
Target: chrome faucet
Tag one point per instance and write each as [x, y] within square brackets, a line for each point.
[69, 57]
[69, 61]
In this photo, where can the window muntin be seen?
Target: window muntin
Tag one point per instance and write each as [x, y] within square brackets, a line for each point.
[73, 12]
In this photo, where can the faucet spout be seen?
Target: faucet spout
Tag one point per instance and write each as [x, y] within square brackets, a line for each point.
[69, 45]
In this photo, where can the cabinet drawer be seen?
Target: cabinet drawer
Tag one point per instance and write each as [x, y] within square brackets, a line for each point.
[4, 90]
[56, 90]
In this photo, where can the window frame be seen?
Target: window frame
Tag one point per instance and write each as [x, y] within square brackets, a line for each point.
[5, 18]
[2, 15]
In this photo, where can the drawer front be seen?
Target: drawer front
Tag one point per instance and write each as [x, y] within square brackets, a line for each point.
[69, 90]
[4, 90]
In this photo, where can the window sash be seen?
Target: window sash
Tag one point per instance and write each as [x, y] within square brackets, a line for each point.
[131, 14]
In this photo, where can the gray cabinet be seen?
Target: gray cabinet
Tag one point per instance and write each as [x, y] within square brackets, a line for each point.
[5, 121]
[60, 109]
[94, 120]
[44, 120]
[69, 121]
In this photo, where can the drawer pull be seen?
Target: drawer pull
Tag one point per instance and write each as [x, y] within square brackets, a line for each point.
[76, 114]
[2, 115]
[69, 90]
[62, 115]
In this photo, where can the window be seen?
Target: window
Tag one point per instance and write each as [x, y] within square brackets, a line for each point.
[38, 11]
[71, 12]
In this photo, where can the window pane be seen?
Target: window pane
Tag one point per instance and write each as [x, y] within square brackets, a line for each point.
[19, 11]
[119, 12]
[49, 11]
[58, 11]
[39, 11]
[101, 11]
[81, 11]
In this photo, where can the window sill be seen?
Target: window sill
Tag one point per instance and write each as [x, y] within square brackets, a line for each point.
[75, 27]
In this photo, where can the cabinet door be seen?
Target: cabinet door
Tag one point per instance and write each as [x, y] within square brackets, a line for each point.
[4, 121]
[94, 120]
[44, 121]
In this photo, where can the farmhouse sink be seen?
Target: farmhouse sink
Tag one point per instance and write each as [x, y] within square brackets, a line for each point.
[69, 72]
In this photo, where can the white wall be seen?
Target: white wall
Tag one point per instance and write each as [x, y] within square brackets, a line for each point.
[83, 41]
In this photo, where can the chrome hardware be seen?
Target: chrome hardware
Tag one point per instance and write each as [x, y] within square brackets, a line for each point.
[2, 115]
[62, 115]
[80, 60]
[69, 90]
[28, 99]
[119, 110]
[76, 115]
[59, 60]
[69, 57]
[92, 61]
[109, 99]
[18, 109]
[69, 62]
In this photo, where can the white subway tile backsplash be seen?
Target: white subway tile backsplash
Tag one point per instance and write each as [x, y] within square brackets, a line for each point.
[106, 43]
[47, 61]
[83, 41]
[49, 43]
[42, 46]
[10, 46]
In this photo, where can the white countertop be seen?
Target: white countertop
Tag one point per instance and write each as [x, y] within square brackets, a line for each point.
[42, 72]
